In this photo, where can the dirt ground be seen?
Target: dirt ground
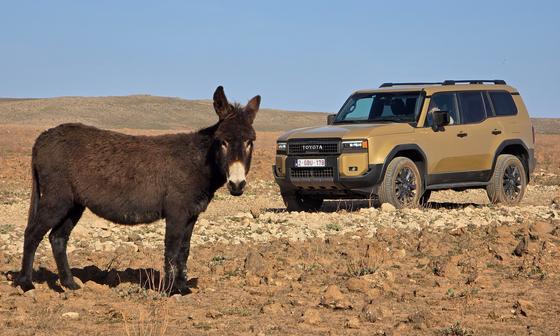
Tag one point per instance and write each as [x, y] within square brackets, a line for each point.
[458, 267]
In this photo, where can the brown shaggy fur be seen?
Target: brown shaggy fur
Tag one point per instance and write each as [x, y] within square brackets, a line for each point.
[133, 179]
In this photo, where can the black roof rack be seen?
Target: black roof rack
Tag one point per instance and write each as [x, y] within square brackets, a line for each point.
[474, 81]
[416, 83]
[449, 82]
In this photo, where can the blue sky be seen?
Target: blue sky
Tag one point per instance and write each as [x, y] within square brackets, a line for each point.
[299, 55]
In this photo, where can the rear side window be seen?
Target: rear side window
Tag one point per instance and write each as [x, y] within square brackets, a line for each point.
[503, 103]
[472, 107]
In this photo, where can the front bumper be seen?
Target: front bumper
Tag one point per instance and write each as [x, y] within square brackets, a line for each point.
[335, 186]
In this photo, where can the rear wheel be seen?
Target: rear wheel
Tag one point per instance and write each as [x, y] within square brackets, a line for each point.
[295, 202]
[402, 185]
[508, 182]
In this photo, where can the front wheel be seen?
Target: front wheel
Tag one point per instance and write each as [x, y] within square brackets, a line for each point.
[508, 182]
[402, 185]
[295, 202]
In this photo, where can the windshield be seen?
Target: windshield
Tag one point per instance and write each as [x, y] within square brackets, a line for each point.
[378, 107]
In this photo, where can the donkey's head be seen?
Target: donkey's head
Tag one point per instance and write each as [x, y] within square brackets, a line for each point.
[234, 139]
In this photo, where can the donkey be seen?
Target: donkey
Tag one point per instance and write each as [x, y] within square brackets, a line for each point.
[135, 179]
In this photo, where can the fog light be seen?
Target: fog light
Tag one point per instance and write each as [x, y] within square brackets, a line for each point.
[353, 169]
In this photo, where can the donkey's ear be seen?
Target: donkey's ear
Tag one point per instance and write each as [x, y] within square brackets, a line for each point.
[221, 104]
[252, 108]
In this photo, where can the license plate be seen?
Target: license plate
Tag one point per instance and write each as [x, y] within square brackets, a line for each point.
[310, 163]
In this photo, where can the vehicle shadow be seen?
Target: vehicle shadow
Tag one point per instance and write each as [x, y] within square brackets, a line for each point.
[356, 205]
[147, 278]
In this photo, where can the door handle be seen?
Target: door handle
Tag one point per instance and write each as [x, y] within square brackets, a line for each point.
[462, 134]
[496, 131]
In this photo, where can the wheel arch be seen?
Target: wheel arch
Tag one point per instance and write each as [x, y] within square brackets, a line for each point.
[517, 148]
[411, 151]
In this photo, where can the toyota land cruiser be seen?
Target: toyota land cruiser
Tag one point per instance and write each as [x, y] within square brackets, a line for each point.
[399, 142]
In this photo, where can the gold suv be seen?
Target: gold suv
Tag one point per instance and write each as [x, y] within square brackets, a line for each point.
[399, 142]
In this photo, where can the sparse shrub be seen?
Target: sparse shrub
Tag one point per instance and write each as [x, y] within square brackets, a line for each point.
[450, 292]
[455, 330]
[334, 227]
[362, 265]
[217, 260]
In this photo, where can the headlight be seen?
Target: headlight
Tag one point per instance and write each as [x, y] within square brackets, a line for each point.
[354, 145]
[281, 147]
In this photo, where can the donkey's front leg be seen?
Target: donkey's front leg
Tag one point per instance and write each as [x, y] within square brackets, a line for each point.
[184, 251]
[176, 230]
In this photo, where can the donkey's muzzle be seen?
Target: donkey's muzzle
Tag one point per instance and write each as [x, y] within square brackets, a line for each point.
[236, 188]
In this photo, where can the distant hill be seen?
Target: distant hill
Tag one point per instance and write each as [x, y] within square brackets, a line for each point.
[153, 112]
[546, 125]
[140, 112]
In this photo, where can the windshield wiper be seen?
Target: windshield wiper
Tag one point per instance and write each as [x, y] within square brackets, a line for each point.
[371, 121]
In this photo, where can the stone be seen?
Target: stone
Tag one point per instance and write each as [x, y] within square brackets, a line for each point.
[333, 298]
[272, 309]
[71, 315]
[388, 207]
[252, 280]
[254, 263]
[522, 247]
[30, 294]
[78, 282]
[352, 323]
[311, 316]
[214, 314]
[357, 285]
[372, 313]
[541, 228]
[94, 286]
[524, 307]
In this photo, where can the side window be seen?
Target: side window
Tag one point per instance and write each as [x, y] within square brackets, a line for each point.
[444, 102]
[472, 107]
[503, 103]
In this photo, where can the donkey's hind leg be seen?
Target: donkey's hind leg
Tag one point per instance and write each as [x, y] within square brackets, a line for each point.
[50, 212]
[59, 239]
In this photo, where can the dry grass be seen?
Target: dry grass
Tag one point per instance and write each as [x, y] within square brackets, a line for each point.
[152, 323]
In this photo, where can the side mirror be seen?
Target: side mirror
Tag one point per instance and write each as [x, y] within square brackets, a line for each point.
[440, 119]
[330, 119]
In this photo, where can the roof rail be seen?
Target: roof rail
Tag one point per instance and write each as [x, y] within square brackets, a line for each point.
[474, 81]
[418, 83]
[449, 82]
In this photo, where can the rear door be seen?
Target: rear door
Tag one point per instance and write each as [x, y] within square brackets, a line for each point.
[475, 134]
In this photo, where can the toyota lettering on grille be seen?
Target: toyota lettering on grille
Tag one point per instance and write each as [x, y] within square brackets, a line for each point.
[312, 147]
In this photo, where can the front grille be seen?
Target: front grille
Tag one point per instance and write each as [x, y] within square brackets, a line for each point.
[312, 173]
[313, 148]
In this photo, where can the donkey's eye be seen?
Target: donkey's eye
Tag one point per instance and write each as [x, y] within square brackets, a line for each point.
[224, 144]
[248, 144]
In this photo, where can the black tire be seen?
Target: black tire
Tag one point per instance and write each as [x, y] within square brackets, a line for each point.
[508, 182]
[295, 202]
[402, 185]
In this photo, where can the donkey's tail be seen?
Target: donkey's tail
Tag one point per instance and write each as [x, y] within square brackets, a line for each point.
[35, 197]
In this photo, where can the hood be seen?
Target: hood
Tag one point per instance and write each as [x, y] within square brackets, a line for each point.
[347, 131]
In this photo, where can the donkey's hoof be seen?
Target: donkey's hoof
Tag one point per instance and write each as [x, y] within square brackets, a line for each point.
[24, 283]
[181, 289]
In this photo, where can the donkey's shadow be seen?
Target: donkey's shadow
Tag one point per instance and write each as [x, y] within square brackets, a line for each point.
[147, 278]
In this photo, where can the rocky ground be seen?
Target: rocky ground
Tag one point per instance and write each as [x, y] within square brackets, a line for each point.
[458, 267]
